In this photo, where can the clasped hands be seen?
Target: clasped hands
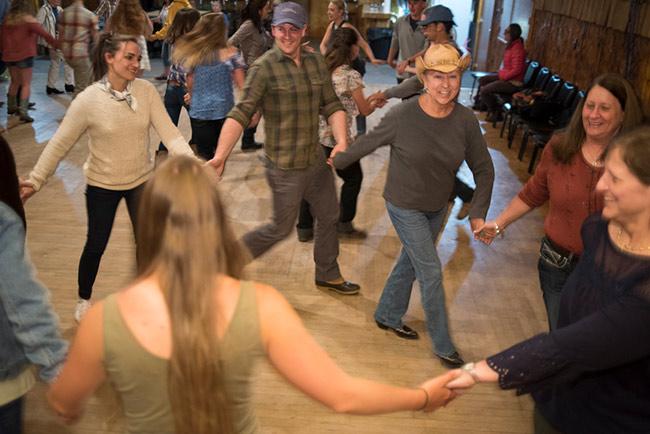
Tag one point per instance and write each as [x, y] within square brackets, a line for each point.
[487, 232]
[444, 388]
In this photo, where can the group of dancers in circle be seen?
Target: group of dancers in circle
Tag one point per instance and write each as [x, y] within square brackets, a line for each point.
[179, 343]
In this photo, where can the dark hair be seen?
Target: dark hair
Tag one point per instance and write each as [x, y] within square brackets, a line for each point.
[9, 187]
[515, 32]
[184, 22]
[108, 44]
[635, 152]
[340, 50]
[448, 25]
[564, 150]
[252, 12]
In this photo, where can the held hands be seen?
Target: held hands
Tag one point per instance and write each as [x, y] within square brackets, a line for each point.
[378, 62]
[27, 189]
[218, 165]
[462, 383]
[487, 232]
[438, 392]
[340, 147]
[378, 99]
[401, 66]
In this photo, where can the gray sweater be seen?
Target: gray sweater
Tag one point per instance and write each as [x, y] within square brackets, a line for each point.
[425, 155]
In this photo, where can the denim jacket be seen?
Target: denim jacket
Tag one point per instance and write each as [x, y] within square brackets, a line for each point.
[29, 331]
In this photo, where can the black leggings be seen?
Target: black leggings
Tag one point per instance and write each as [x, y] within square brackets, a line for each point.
[101, 206]
[11, 416]
[352, 177]
[205, 135]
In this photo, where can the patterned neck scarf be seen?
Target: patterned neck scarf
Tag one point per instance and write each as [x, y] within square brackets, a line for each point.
[125, 95]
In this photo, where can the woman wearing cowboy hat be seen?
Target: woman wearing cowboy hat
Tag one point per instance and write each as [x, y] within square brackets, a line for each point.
[430, 136]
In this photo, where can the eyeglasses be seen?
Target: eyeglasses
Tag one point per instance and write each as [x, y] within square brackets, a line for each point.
[288, 30]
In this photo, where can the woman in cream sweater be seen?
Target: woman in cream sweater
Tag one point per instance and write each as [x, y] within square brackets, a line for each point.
[116, 112]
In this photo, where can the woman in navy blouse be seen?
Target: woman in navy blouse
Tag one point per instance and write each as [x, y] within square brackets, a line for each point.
[592, 374]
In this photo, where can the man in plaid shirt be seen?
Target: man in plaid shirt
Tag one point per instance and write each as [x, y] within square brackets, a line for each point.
[292, 86]
[77, 31]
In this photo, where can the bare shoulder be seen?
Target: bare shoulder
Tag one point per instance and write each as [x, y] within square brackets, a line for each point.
[269, 300]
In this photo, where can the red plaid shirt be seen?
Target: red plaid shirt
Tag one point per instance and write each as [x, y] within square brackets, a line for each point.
[77, 28]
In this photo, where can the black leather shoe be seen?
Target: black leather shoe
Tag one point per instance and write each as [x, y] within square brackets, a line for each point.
[52, 90]
[404, 331]
[69, 88]
[345, 288]
[251, 147]
[305, 234]
[452, 361]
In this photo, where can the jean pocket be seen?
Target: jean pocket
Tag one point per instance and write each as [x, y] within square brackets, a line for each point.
[548, 254]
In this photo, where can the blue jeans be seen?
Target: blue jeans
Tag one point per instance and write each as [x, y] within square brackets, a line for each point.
[417, 230]
[173, 104]
[552, 279]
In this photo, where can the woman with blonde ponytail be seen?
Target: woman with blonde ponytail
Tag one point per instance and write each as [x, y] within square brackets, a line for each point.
[180, 343]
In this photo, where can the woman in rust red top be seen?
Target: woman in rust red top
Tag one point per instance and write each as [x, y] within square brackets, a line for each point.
[566, 177]
[19, 32]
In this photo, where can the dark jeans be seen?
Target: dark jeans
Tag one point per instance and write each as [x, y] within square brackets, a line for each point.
[461, 190]
[11, 417]
[101, 206]
[174, 104]
[288, 187]
[552, 277]
[352, 177]
[489, 87]
[205, 135]
[359, 65]
[248, 138]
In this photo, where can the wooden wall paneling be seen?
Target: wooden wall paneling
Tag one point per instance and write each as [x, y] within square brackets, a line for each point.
[618, 14]
[580, 51]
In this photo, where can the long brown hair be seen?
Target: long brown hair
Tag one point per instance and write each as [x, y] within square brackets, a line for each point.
[575, 135]
[202, 44]
[184, 21]
[108, 43]
[340, 51]
[9, 189]
[185, 240]
[128, 18]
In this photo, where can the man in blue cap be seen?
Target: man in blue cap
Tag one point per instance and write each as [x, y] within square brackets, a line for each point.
[291, 86]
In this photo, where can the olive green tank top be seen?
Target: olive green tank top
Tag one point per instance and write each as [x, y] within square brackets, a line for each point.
[140, 378]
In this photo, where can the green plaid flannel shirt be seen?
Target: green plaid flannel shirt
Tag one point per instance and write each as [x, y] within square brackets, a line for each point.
[290, 98]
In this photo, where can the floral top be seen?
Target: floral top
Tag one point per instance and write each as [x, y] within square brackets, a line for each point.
[345, 80]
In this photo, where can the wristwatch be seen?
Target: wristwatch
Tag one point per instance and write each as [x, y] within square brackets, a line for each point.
[469, 368]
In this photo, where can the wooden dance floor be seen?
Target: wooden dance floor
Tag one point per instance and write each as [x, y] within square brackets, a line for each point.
[492, 292]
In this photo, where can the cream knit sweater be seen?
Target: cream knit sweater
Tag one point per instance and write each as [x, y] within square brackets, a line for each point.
[121, 156]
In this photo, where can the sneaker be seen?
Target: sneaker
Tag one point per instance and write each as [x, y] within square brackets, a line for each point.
[463, 211]
[81, 309]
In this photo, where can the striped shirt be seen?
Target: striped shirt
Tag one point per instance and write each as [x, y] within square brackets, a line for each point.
[290, 97]
[77, 27]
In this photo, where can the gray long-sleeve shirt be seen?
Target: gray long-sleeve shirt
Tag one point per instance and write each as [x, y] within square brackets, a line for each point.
[409, 87]
[425, 155]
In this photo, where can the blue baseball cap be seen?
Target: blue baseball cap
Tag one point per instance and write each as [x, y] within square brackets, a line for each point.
[289, 12]
[437, 14]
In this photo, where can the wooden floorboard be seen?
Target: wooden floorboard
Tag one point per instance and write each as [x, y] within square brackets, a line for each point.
[492, 292]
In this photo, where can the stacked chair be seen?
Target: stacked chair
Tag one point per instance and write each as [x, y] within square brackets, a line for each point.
[550, 109]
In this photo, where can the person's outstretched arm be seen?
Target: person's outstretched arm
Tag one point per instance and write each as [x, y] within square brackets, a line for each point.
[288, 344]
[83, 372]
